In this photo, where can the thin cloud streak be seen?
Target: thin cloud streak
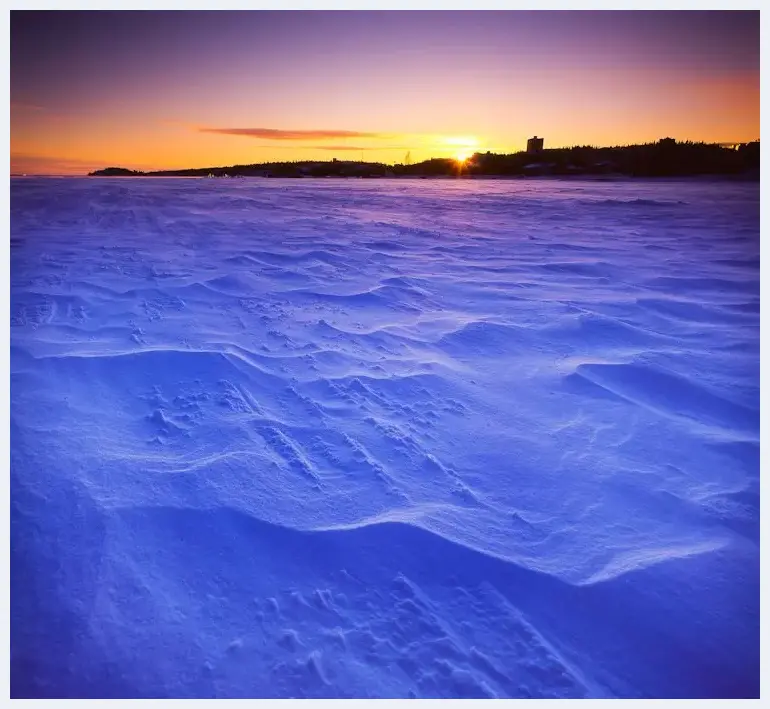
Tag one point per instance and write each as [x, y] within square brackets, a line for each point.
[51, 164]
[278, 134]
[358, 147]
[342, 147]
[23, 106]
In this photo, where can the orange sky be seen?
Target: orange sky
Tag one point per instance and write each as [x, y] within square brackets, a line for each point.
[172, 90]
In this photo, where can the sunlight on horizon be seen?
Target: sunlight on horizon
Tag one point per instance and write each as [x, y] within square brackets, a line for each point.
[462, 147]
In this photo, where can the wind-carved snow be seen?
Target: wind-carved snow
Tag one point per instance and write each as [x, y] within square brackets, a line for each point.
[384, 438]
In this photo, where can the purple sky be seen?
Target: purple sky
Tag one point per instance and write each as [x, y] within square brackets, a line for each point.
[164, 89]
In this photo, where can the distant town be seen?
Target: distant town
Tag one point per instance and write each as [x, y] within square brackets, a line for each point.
[664, 158]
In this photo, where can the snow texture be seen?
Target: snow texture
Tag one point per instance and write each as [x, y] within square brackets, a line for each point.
[323, 438]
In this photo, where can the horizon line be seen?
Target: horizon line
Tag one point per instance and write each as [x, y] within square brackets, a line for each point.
[21, 173]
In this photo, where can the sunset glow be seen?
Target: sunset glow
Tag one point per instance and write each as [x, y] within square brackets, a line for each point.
[92, 89]
[462, 147]
[384, 355]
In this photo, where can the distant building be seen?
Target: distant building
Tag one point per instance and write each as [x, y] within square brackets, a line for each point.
[535, 145]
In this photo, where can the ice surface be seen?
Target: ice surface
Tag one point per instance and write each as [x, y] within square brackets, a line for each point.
[324, 438]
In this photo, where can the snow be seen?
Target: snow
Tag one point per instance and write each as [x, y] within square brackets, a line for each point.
[384, 438]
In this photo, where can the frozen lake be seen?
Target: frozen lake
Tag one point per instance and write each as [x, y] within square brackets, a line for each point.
[371, 438]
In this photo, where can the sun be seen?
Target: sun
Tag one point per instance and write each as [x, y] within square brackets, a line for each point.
[463, 156]
[462, 147]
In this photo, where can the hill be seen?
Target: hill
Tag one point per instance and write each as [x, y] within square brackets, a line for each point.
[665, 158]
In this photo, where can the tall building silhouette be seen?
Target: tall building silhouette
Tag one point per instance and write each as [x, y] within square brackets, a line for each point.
[535, 145]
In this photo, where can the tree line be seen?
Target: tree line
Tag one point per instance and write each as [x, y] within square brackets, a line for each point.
[664, 158]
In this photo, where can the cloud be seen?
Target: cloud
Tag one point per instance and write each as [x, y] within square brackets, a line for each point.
[341, 147]
[278, 134]
[379, 148]
[24, 163]
[23, 106]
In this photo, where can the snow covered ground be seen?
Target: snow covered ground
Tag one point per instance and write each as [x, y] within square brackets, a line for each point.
[322, 438]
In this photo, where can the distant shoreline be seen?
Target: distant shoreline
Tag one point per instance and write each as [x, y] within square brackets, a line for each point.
[737, 177]
[665, 158]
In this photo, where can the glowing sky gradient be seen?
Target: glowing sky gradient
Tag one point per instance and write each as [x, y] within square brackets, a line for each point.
[154, 90]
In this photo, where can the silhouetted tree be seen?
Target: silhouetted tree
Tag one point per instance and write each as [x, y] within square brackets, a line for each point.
[664, 158]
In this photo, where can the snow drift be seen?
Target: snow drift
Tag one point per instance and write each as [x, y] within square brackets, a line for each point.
[384, 438]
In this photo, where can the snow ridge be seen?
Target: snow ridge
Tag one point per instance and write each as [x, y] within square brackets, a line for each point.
[401, 438]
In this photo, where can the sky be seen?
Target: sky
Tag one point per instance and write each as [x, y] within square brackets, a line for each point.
[164, 90]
